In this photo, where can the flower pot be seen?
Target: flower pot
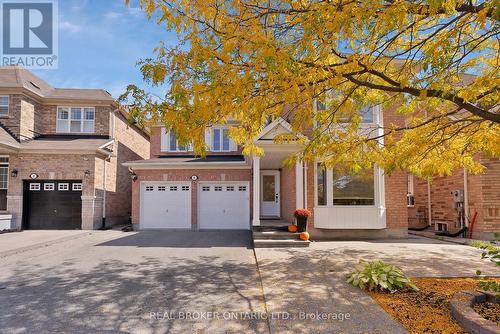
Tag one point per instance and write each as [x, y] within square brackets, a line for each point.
[301, 224]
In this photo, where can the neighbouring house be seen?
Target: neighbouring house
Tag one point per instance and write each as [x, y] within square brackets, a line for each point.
[174, 189]
[61, 155]
[458, 200]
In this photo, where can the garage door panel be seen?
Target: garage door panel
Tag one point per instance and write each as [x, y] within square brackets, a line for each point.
[48, 206]
[224, 206]
[166, 205]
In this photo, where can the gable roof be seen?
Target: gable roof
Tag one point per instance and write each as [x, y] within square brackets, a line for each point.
[20, 78]
[276, 127]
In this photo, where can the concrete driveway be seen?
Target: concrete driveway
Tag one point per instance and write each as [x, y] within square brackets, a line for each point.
[137, 282]
[311, 281]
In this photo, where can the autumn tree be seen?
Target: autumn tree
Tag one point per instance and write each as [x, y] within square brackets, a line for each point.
[435, 62]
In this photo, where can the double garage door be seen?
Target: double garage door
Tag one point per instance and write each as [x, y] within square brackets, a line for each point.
[221, 205]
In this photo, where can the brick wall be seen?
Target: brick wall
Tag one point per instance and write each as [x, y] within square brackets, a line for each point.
[50, 166]
[418, 214]
[288, 193]
[21, 120]
[185, 175]
[483, 194]
[131, 144]
[48, 118]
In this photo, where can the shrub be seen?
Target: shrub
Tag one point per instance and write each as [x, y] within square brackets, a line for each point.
[491, 252]
[378, 275]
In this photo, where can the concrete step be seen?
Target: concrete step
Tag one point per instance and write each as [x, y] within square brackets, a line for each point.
[290, 243]
[276, 235]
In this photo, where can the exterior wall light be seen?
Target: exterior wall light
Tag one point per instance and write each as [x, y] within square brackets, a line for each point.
[13, 173]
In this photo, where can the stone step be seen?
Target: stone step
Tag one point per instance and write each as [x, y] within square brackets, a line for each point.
[275, 235]
[290, 243]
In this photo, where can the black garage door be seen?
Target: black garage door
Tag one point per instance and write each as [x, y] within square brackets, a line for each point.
[52, 204]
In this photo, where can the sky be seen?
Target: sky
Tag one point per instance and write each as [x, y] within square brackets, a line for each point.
[100, 42]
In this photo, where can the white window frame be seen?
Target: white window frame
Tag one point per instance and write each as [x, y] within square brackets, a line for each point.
[82, 119]
[5, 165]
[77, 187]
[63, 187]
[410, 190]
[165, 143]
[378, 189]
[35, 187]
[49, 186]
[5, 105]
[221, 130]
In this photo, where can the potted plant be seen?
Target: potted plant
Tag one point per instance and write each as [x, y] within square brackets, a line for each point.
[301, 215]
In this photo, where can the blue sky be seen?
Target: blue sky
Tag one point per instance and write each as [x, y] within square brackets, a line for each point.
[100, 42]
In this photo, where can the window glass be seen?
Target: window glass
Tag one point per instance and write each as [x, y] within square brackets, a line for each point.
[76, 113]
[225, 140]
[321, 182]
[367, 115]
[216, 140]
[355, 189]
[62, 113]
[89, 113]
[173, 142]
[4, 105]
[268, 188]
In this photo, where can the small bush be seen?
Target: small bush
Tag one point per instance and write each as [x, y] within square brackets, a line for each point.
[378, 275]
[491, 252]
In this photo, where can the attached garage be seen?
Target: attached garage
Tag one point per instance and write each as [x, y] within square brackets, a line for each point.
[165, 205]
[52, 204]
[224, 205]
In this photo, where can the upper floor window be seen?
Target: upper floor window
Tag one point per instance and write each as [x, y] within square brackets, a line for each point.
[367, 113]
[4, 105]
[170, 143]
[75, 119]
[220, 140]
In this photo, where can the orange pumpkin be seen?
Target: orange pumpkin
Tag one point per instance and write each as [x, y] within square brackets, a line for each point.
[292, 228]
[304, 236]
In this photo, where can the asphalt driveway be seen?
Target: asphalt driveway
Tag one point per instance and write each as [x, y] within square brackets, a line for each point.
[202, 282]
[137, 282]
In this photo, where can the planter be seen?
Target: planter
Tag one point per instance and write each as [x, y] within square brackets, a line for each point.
[462, 310]
[301, 224]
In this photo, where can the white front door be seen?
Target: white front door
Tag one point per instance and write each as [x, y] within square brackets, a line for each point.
[224, 205]
[270, 193]
[165, 205]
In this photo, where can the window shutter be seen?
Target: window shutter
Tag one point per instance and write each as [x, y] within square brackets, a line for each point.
[208, 138]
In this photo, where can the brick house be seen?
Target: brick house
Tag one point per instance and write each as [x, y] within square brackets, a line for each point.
[476, 195]
[61, 155]
[225, 190]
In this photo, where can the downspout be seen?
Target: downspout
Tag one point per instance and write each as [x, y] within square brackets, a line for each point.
[429, 202]
[103, 226]
[466, 199]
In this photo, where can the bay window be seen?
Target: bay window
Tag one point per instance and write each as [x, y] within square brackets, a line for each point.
[355, 189]
[75, 120]
[335, 188]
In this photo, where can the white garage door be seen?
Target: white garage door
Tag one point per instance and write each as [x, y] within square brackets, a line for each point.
[224, 206]
[166, 205]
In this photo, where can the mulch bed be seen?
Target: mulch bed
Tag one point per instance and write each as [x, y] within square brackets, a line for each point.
[427, 310]
[490, 311]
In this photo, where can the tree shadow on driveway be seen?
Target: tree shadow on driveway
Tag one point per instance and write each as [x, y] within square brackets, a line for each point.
[126, 297]
[184, 239]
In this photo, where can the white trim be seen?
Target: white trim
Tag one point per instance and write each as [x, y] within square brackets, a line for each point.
[49, 186]
[35, 187]
[188, 165]
[82, 119]
[221, 128]
[256, 191]
[63, 185]
[272, 125]
[299, 185]
[77, 187]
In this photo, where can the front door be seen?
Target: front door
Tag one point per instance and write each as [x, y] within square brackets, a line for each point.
[270, 193]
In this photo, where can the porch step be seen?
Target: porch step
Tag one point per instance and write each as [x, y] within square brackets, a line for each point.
[263, 243]
[275, 235]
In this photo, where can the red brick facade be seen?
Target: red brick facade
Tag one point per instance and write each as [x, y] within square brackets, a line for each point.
[483, 199]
